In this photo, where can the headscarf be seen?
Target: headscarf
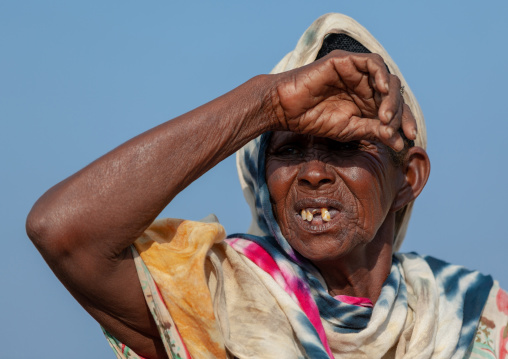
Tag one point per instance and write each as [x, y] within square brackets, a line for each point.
[305, 52]
[426, 309]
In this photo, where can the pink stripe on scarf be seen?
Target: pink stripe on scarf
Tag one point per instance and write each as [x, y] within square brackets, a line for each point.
[286, 279]
[359, 301]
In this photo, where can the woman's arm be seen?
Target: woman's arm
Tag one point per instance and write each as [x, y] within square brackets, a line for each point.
[84, 225]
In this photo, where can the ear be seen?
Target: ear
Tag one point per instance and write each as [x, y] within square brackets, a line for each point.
[415, 175]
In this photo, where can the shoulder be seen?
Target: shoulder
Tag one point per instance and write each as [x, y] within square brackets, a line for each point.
[446, 272]
[491, 340]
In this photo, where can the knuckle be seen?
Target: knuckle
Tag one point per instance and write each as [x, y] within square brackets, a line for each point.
[395, 79]
[377, 58]
[337, 54]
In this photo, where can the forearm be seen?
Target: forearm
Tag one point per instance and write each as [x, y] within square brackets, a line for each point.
[117, 196]
[109, 203]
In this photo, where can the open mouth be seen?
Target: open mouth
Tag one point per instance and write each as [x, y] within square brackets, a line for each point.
[318, 211]
[309, 213]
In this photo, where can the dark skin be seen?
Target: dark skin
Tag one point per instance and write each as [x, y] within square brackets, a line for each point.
[84, 225]
[361, 187]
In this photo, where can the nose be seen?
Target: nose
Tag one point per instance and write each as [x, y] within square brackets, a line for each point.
[315, 173]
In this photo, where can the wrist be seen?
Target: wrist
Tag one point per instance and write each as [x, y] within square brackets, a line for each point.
[271, 116]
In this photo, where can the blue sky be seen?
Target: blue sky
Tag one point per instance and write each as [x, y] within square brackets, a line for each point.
[78, 79]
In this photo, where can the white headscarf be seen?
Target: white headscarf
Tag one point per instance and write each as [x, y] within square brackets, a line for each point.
[304, 53]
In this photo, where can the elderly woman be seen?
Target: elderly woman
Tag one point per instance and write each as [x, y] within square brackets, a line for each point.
[331, 157]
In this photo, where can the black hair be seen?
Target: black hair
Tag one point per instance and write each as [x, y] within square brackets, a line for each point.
[340, 42]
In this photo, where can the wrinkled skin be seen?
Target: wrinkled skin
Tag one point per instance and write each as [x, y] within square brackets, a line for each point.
[345, 98]
[356, 181]
[360, 186]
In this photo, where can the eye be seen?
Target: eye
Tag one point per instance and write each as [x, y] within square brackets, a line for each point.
[346, 146]
[289, 150]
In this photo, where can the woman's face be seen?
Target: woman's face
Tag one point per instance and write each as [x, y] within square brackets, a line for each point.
[356, 182]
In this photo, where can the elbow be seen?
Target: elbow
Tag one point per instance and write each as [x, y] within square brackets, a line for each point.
[37, 227]
[44, 231]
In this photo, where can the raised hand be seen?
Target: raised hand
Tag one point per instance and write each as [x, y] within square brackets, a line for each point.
[344, 96]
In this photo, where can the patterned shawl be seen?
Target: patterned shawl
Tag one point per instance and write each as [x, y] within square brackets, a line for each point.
[427, 308]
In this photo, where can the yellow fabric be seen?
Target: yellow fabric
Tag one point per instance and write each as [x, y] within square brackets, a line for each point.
[175, 250]
[197, 276]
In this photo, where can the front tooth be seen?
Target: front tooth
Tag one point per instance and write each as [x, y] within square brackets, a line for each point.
[304, 214]
[325, 215]
[309, 216]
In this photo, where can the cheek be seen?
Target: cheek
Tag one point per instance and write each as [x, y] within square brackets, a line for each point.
[362, 184]
[279, 179]
[370, 201]
[370, 181]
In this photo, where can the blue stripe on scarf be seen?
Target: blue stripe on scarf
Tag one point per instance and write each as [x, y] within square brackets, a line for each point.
[474, 296]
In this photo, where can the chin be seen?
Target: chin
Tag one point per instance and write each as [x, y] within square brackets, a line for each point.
[322, 249]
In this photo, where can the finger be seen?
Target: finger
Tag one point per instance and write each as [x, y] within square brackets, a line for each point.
[396, 120]
[390, 137]
[372, 64]
[409, 125]
[359, 128]
[377, 69]
[390, 110]
[395, 141]
[376, 131]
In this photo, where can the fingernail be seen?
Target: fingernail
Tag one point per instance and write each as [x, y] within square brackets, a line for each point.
[414, 132]
[387, 87]
[398, 144]
[389, 115]
[389, 131]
